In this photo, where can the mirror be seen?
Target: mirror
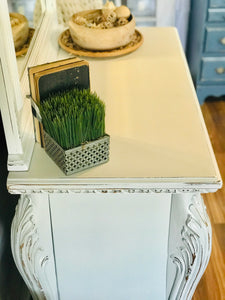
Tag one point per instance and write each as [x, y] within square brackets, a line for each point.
[15, 110]
[25, 19]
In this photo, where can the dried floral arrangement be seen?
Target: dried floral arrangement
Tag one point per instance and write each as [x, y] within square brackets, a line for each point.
[108, 17]
[73, 117]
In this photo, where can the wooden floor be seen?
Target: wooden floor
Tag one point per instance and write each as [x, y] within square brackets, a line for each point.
[212, 284]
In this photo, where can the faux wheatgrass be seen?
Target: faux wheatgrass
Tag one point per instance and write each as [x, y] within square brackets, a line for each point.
[74, 129]
[73, 117]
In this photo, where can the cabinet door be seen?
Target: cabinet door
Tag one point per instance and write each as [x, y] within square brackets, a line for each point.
[111, 245]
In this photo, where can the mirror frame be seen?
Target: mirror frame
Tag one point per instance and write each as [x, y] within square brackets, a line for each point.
[15, 107]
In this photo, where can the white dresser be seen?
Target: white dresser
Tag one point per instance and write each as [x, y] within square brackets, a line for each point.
[135, 227]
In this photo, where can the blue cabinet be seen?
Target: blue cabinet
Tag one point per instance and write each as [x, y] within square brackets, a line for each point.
[206, 47]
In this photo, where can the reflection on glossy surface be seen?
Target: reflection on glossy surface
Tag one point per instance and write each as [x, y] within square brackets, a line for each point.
[28, 9]
[24, 7]
[20, 29]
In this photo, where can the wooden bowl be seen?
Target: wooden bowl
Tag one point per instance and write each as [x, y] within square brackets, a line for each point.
[20, 29]
[100, 39]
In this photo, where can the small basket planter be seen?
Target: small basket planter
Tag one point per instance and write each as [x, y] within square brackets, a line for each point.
[79, 158]
[74, 129]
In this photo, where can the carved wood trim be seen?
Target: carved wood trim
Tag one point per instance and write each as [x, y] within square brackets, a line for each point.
[60, 189]
[30, 258]
[192, 255]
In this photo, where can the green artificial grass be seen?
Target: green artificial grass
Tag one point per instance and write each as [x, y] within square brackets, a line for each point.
[73, 117]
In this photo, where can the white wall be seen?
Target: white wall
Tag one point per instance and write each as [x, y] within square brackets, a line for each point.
[182, 10]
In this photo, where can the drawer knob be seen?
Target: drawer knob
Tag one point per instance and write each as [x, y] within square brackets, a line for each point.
[222, 41]
[220, 70]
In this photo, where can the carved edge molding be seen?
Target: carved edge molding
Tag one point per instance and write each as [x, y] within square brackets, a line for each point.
[30, 258]
[42, 190]
[192, 256]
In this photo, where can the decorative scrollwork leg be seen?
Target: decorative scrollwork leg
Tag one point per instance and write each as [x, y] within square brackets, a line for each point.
[189, 245]
[30, 257]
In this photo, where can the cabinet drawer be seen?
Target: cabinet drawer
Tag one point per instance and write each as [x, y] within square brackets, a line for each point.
[217, 3]
[216, 15]
[215, 40]
[213, 69]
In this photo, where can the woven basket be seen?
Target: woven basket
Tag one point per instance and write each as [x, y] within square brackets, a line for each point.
[79, 158]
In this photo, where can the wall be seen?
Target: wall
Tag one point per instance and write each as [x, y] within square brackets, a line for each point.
[182, 11]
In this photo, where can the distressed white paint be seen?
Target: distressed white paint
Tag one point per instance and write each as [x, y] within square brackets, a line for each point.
[11, 100]
[31, 242]
[190, 242]
[159, 144]
[20, 140]
[111, 245]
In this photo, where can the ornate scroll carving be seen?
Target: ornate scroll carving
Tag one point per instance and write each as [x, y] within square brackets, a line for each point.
[30, 258]
[192, 255]
[42, 190]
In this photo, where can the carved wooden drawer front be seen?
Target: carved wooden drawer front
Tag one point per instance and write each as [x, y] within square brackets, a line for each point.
[206, 47]
[215, 40]
[213, 70]
[216, 15]
[217, 3]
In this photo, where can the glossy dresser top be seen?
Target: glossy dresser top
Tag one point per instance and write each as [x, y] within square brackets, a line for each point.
[157, 132]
